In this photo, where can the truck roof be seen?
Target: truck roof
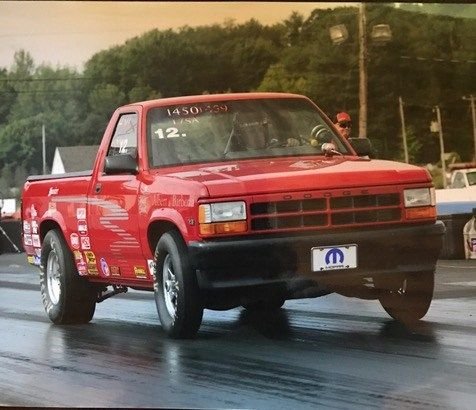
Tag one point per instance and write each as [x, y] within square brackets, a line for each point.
[213, 97]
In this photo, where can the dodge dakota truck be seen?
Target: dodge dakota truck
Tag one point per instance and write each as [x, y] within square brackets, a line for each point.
[228, 200]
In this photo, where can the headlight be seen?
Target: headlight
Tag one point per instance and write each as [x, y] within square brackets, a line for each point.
[222, 218]
[420, 203]
[222, 211]
[419, 197]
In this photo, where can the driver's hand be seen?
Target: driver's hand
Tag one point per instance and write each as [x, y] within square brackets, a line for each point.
[292, 142]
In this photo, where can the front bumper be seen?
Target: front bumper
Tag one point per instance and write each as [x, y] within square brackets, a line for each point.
[261, 260]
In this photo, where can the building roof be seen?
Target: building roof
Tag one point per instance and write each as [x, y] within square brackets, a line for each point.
[78, 158]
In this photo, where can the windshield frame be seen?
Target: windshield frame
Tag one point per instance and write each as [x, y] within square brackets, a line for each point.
[301, 102]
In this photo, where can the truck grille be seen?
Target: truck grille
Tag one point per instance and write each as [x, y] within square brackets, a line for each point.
[325, 212]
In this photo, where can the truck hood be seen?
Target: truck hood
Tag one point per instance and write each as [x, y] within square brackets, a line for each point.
[304, 173]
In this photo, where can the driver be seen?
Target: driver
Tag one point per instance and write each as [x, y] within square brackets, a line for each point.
[343, 123]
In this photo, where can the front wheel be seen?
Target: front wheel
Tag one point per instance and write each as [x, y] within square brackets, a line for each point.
[67, 297]
[407, 298]
[176, 291]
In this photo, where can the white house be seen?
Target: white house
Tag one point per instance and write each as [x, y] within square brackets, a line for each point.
[73, 159]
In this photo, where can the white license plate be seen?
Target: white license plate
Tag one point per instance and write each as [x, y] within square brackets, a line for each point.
[334, 257]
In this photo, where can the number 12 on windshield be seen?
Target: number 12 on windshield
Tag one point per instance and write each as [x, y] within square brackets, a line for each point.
[171, 132]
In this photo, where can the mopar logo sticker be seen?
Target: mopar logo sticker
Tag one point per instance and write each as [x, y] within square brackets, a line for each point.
[334, 256]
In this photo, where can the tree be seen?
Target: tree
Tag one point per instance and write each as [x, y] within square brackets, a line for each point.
[23, 65]
[428, 62]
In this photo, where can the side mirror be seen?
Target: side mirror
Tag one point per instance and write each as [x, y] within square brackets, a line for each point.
[362, 146]
[118, 164]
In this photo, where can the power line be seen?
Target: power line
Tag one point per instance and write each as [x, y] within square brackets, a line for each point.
[45, 79]
[438, 60]
[71, 90]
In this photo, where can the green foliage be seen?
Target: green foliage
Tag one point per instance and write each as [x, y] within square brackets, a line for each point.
[427, 63]
[414, 145]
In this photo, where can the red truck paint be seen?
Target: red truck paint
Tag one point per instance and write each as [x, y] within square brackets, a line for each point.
[296, 201]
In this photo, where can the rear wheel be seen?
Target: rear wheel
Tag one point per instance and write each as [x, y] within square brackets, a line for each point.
[407, 298]
[176, 291]
[67, 297]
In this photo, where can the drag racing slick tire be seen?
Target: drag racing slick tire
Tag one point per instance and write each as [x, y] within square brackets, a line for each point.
[67, 297]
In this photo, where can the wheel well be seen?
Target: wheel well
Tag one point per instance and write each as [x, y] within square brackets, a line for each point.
[156, 230]
[47, 226]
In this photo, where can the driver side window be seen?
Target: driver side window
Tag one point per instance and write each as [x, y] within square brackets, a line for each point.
[124, 140]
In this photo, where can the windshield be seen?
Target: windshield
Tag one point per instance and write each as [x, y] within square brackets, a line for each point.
[239, 129]
[471, 178]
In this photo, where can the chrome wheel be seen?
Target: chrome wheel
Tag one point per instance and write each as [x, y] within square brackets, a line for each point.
[67, 297]
[170, 285]
[176, 292]
[53, 278]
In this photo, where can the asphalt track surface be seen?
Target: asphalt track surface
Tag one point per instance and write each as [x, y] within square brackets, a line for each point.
[330, 352]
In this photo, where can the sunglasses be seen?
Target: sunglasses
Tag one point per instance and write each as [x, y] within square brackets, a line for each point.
[345, 124]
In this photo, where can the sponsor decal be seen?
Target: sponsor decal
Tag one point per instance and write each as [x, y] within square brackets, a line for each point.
[151, 265]
[140, 272]
[304, 164]
[90, 257]
[78, 256]
[115, 270]
[92, 269]
[81, 213]
[31, 259]
[52, 206]
[38, 252]
[37, 261]
[53, 191]
[34, 226]
[74, 239]
[82, 268]
[176, 201]
[36, 241]
[85, 242]
[27, 240]
[26, 227]
[82, 227]
[104, 267]
[33, 211]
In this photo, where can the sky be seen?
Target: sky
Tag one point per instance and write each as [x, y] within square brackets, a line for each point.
[68, 33]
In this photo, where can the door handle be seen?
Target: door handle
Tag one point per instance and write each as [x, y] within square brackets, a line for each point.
[97, 188]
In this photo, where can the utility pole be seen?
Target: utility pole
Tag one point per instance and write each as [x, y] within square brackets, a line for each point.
[442, 145]
[362, 73]
[473, 116]
[43, 140]
[404, 132]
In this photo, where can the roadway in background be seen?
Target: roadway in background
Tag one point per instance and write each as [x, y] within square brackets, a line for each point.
[332, 352]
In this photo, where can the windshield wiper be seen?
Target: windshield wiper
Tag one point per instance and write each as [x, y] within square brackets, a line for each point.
[232, 134]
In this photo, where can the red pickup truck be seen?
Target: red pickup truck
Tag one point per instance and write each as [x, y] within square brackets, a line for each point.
[219, 201]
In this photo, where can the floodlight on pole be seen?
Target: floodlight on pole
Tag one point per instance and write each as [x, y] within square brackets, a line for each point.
[338, 33]
[381, 34]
